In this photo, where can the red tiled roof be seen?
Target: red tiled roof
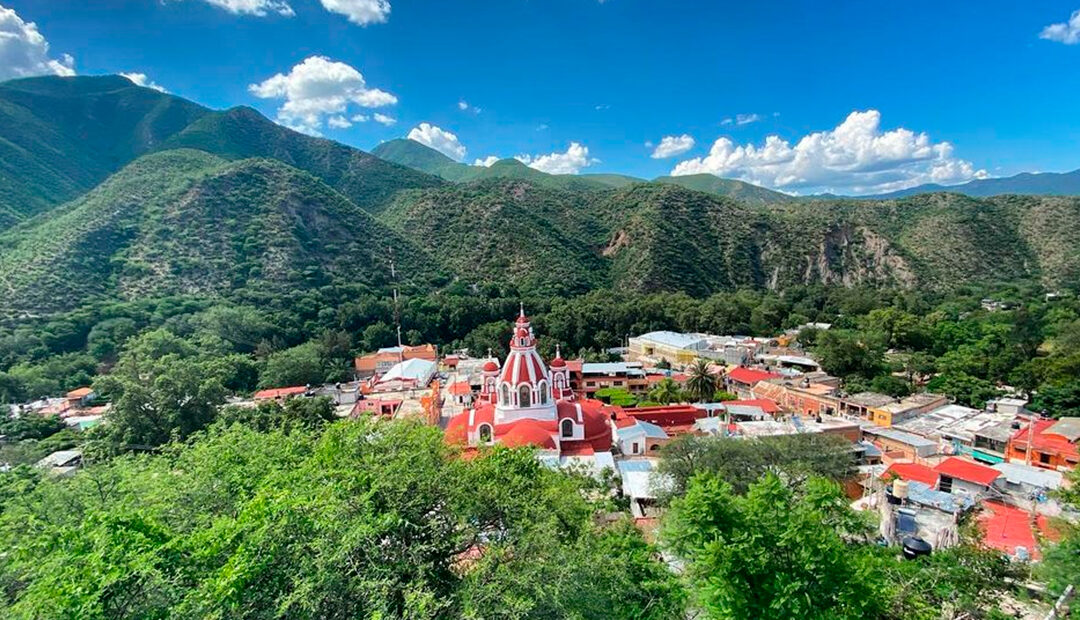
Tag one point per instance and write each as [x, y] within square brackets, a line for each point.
[80, 392]
[1044, 441]
[527, 433]
[461, 388]
[968, 471]
[912, 471]
[279, 392]
[574, 365]
[577, 448]
[750, 376]
[765, 404]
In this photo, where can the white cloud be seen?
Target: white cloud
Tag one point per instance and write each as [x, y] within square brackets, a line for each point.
[317, 88]
[572, 161]
[360, 118]
[384, 119]
[140, 79]
[463, 105]
[743, 119]
[338, 122]
[856, 157]
[1067, 33]
[438, 139]
[25, 52]
[361, 12]
[671, 146]
[258, 8]
[486, 162]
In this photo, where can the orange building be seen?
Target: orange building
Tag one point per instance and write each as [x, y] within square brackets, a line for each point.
[384, 359]
[1053, 443]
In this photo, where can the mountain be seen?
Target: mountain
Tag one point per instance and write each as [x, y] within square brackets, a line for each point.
[739, 190]
[183, 221]
[1026, 183]
[61, 136]
[426, 159]
[658, 236]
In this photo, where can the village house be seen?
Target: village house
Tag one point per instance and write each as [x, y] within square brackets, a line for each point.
[802, 397]
[900, 446]
[1050, 444]
[965, 431]
[741, 380]
[964, 477]
[280, 394]
[380, 362]
[640, 438]
[587, 378]
[861, 404]
[894, 413]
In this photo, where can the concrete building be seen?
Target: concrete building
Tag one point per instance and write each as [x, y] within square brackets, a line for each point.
[380, 362]
[900, 446]
[861, 405]
[589, 378]
[641, 439]
[1050, 444]
[667, 346]
[913, 405]
[963, 477]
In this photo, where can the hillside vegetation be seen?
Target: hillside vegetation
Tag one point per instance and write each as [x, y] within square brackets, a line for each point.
[187, 222]
[60, 137]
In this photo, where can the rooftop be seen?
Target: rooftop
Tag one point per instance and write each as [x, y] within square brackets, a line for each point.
[869, 399]
[968, 471]
[612, 368]
[912, 471]
[1019, 473]
[674, 339]
[901, 436]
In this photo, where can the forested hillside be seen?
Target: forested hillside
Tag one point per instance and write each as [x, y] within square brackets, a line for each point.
[187, 222]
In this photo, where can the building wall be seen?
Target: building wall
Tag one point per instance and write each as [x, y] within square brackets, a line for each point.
[1017, 453]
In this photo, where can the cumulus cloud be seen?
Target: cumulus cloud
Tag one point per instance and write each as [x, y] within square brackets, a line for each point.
[571, 161]
[465, 107]
[338, 122]
[671, 146]
[1067, 32]
[486, 162]
[140, 79]
[258, 8]
[856, 157]
[439, 139]
[25, 52]
[384, 119]
[318, 88]
[360, 12]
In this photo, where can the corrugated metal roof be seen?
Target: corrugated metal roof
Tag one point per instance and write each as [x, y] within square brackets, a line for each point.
[675, 339]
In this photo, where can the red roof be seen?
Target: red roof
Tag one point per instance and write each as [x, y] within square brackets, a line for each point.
[490, 366]
[574, 365]
[968, 471]
[80, 392]
[1044, 441]
[528, 433]
[1006, 528]
[750, 376]
[767, 405]
[912, 472]
[461, 388]
[279, 392]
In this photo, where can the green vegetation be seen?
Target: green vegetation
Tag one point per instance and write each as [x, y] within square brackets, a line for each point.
[360, 519]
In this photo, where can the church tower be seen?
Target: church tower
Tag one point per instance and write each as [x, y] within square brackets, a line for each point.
[524, 385]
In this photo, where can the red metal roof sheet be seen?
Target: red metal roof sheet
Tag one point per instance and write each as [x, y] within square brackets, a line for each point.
[969, 471]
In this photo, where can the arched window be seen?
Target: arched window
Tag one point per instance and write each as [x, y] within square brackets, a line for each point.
[559, 381]
[542, 387]
[524, 396]
[505, 396]
[567, 428]
[485, 433]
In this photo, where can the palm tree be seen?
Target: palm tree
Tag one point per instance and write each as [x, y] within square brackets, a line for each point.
[702, 383]
[666, 392]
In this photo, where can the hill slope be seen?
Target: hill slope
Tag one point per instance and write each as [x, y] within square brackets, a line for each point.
[1026, 183]
[729, 188]
[420, 157]
[185, 221]
[61, 136]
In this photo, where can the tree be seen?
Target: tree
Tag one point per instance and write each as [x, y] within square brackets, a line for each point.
[616, 396]
[160, 388]
[740, 462]
[844, 353]
[964, 389]
[666, 391]
[293, 414]
[304, 364]
[359, 519]
[702, 382]
[771, 554]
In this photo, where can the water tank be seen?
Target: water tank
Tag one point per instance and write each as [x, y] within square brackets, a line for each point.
[900, 488]
[915, 547]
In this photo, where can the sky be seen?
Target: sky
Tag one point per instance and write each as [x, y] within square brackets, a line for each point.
[849, 97]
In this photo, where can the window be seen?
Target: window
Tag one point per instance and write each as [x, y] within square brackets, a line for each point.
[617, 383]
[485, 433]
[634, 448]
[542, 387]
[945, 484]
[1044, 458]
[524, 396]
[590, 384]
[505, 397]
[567, 428]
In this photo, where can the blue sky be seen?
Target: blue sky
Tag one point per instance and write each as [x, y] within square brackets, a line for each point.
[981, 88]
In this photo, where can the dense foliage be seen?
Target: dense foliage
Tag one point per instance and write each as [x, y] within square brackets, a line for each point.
[366, 519]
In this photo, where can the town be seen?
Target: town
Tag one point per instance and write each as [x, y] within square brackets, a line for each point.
[922, 463]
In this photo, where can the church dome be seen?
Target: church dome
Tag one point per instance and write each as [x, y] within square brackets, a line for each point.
[490, 366]
[528, 433]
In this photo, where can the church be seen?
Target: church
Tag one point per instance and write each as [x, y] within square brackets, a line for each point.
[527, 402]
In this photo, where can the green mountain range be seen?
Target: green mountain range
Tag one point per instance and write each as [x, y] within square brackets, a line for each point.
[191, 201]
